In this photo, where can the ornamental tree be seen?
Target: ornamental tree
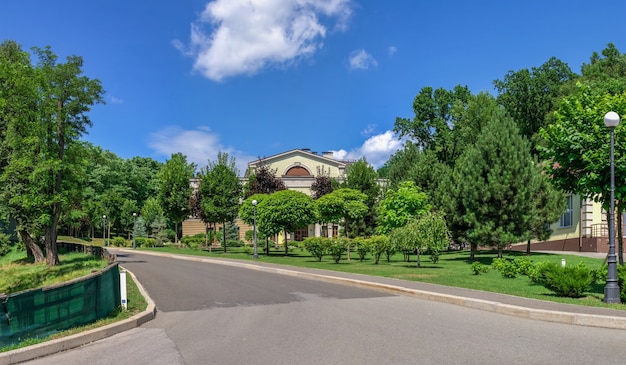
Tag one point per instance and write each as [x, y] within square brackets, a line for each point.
[400, 206]
[285, 210]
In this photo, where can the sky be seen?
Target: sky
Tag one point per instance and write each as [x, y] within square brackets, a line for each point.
[255, 78]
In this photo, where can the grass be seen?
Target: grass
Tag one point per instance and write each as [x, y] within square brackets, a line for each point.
[18, 272]
[453, 269]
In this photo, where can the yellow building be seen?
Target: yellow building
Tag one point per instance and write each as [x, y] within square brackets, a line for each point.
[583, 227]
[297, 168]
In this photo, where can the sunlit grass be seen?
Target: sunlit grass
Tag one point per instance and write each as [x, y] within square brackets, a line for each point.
[18, 272]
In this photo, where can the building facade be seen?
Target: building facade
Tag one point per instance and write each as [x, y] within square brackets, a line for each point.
[297, 169]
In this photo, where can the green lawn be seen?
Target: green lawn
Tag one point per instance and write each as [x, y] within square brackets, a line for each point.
[453, 269]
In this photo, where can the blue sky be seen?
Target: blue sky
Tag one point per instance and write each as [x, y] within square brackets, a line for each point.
[258, 77]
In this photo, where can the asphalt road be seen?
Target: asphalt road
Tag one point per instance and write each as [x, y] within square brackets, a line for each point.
[215, 314]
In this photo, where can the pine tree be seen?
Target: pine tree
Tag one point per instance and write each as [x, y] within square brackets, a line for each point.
[496, 183]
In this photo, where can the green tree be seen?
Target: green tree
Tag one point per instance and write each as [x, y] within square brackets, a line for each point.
[362, 177]
[608, 72]
[530, 95]
[577, 145]
[18, 113]
[427, 232]
[285, 210]
[220, 190]
[400, 206]
[48, 156]
[246, 214]
[342, 206]
[174, 188]
[151, 211]
[496, 183]
[434, 124]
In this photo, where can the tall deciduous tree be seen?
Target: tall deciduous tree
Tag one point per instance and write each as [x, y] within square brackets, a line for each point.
[496, 183]
[436, 115]
[220, 190]
[578, 147]
[175, 189]
[529, 95]
[285, 210]
[47, 156]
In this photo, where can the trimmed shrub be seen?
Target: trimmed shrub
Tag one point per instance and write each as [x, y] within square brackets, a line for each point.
[316, 246]
[523, 265]
[234, 243]
[119, 242]
[506, 267]
[478, 268]
[569, 281]
[337, 248]
[379, 245]
[145, 242]
[361, 247]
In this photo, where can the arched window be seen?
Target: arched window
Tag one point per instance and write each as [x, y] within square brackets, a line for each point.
[297, 171]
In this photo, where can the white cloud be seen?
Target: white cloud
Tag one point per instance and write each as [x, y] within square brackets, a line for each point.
[392, 50]
[246, 36]
[115, 100]
[199, 145]
[369, 130]
[376, 149]
[361, 60]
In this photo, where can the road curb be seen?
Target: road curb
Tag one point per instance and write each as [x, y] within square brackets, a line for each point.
[83, 338]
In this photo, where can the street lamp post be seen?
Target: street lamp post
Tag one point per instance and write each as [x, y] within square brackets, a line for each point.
[104, 230]
[134, 221]
[256, 254]
[611, 290]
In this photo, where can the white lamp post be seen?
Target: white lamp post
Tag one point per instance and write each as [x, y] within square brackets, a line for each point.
[611, 290]
[104, 230]
[256, 255]
[134, 221]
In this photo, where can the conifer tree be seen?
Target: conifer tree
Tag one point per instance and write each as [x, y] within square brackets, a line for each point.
[496, 183]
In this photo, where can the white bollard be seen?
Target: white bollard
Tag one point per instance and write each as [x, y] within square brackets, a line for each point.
[562, 262]
[123, 289]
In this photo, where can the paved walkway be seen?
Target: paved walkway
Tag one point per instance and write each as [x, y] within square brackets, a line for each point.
[499, 303]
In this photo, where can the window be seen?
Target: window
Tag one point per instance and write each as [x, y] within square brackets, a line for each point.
[300, 234]
[335, 231]
[566, 218]
[324, 232]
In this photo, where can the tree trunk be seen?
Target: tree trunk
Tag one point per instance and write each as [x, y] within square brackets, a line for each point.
[472, 251]
[176, 233]
[499, 251]
[32, 247]
[528, 247]
[419, 263]
[286, 244]
[224, 228]
[267, 246]
[206, 236]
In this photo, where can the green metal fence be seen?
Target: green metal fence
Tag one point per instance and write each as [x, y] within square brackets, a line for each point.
[41, 312]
